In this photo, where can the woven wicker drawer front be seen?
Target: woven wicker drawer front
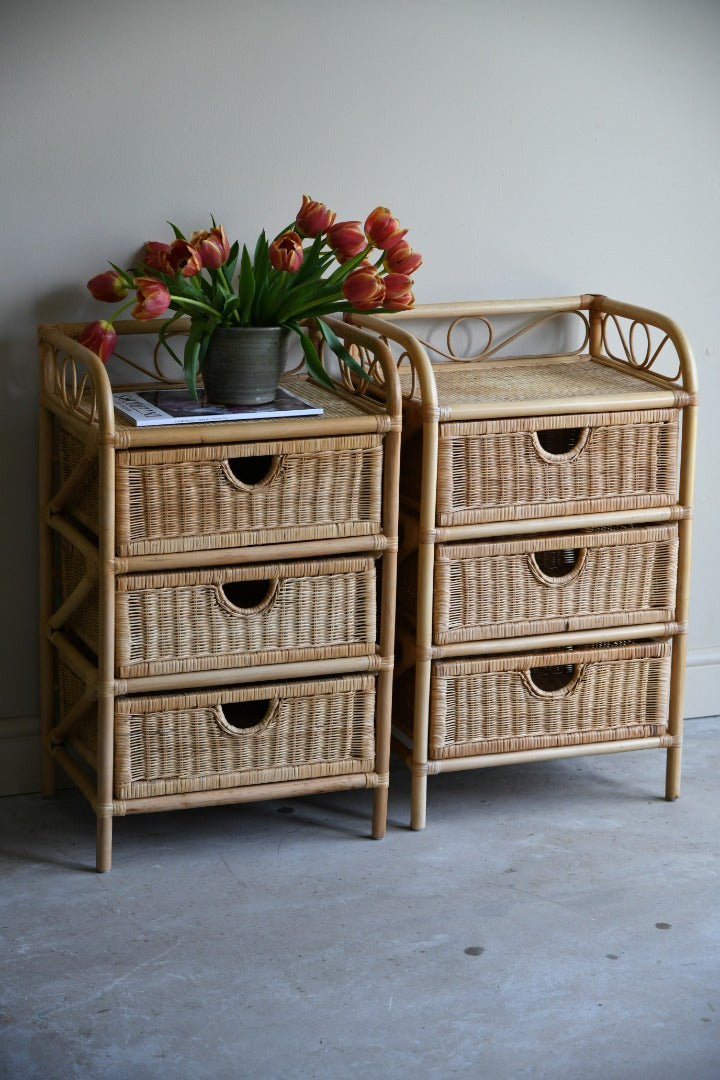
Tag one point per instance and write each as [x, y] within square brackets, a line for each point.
[260, 734]
[240, 616]
[196, 498]
[574, 696]
[550, 584]
[502, 470]
[208, 740]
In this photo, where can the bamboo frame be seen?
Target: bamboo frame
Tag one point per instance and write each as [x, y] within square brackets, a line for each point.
[424, 410]
[75, 391]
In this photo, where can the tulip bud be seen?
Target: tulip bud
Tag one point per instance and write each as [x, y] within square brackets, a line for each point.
[182, 256]
[153, 299]
[212, 245]
[99, 337]
[382, 229]
[347, 239]
[155, 257]
[313, 218]
[364, 288]
[108, 286]
[286, 253]
[401, 259]
[398, 292]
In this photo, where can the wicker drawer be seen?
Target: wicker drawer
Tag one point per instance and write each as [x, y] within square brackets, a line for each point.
[516, 469]
[200, 620]
[549, 584]
[196, 498]
[223, 738]
[531, 701]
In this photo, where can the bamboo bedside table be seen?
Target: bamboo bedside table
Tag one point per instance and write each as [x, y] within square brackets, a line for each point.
[217, 599]
[546, 483]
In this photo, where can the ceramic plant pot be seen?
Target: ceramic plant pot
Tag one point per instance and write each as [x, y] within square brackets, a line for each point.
[243, 365]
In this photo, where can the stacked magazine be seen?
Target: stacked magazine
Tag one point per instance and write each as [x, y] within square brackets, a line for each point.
[149, 407]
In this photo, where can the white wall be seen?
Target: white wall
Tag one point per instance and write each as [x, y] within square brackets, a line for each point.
[535, 148]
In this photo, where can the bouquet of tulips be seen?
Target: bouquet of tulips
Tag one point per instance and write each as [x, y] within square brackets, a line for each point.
[314, 267]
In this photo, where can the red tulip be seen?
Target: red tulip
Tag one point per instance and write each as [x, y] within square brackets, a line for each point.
[313, 218]
[108, 286]
[184, 257]
[382, 229]
[347, 239]
[398, 292]
[364, 288]
[286, 253]
[401, 259]
[155, 257]
[212, 245]
[153, 299]
[99, 337]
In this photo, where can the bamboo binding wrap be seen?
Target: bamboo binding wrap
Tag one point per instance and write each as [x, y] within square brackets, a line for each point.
[195, 498]
[167, 744]
[548, 584]
[547, 699]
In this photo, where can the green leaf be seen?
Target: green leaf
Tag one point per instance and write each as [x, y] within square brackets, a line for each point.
[192, 355]
[229, 268]
[312, 360]
[340, 351]
[163, 338]
[246, 286]
[178, 234]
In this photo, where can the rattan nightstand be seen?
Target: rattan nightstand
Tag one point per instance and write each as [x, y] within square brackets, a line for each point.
[546, 484]
[217, 599]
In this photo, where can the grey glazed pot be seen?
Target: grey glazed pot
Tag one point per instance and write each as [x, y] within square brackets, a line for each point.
[244, 364]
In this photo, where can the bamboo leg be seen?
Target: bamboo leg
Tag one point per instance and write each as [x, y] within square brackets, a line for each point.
[379, 818]
[675, 723]
[679, 657]
[103, 841]
[418, 791]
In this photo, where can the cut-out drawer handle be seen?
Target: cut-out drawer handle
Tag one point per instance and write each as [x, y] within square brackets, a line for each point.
[558, 567]
[553, 681]
[557, 445]
[246, 717]
[252, 471]
[240, 597]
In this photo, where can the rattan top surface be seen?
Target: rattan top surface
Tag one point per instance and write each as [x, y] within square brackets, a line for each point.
[333, 406]
[568, 384]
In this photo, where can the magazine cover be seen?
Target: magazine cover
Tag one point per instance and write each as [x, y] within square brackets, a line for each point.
[178, 407]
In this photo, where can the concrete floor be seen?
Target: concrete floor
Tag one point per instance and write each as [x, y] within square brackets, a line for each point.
[555, 920]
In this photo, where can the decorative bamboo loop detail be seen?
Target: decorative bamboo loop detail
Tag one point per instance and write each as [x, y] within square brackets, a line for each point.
[491, 349]
[74, 390]
[630, 353]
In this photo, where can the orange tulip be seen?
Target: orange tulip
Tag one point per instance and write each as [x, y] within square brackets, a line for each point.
[286, 253]
[153, 299]
[99, 337]
[155, 257]
[382, 229]
[401, 259]
[347, 239]
[212, 245]
[313, 218]
[108, 286]
[364, 288]
[398, 292]
[182, 256]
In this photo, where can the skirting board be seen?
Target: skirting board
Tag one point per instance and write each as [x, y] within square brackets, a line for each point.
[20, 750]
